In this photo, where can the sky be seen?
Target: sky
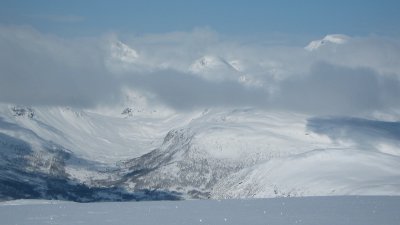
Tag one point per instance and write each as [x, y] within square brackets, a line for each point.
[89, 53]
[255, 17]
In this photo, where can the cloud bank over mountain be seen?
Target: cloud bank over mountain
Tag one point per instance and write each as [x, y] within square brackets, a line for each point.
[359, 75]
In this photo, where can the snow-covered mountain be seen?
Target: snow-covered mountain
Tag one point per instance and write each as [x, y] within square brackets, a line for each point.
[122, 58]
[209, 62]
[327, 40]
[122, 52]
[57, 152]
[65, 153]
[216, 68]
[143, 147]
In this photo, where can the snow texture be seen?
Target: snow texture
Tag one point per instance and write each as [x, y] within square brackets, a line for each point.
[278, 211]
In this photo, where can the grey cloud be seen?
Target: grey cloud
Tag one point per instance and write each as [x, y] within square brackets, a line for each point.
[330, 89]
[368, 134]
[327, 90]
[379, 53]
[40, 69]
[43, 70]
[184, 91]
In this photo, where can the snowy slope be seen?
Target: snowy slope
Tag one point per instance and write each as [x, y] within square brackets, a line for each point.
[216, 144]
[57, 152]
[91, 135]
[250, 153]
[320, 172]
[214, 153]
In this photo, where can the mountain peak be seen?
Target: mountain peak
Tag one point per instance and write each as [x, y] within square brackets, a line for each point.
[123, 52]
[210, 62]
[330, 38]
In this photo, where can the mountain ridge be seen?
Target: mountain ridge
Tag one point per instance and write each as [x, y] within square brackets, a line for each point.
[204, 154]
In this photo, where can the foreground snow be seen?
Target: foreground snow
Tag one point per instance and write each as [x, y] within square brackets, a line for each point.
[309, 210]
